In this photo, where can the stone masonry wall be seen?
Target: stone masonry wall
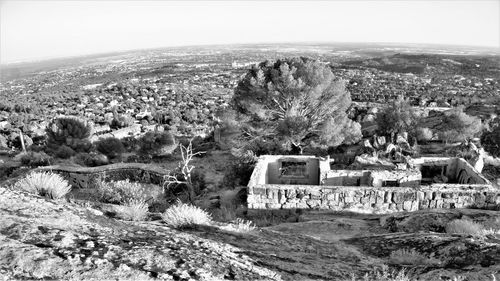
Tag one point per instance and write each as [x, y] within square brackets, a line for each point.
[370, 199]
[82, 177]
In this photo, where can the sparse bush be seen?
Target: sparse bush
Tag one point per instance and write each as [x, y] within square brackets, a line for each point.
[44, 184]
[111, 147]
[491, 140]
[121, 192]
[198, 181]
[121, 121]
[240, 225]
[36, 159]
[64, 152]
[397, 118]
[239, 171]
[424, 134]
[182, 215]
[70, 131]
[464, 226]
[412, 257]
[458, 126]
[157, 143]
[91, 159]
[133, 210]
[383, 275]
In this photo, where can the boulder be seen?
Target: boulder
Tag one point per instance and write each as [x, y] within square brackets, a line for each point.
[5, 125]
[3, 142]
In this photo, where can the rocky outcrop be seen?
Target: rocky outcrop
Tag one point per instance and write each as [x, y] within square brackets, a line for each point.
[459, 255]
[43, 239]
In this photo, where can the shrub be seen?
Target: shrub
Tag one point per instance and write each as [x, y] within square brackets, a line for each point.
[182, 215]
[157, 143]
[64, 152]
[240, 225]
[133, 210]
[412, 257]
[458, 126]
[383, 275]
[70, 131]
[36, 159]
[491, 140]
[239, 171]
[424, 134]
[121, 192]
[91, 159]
[121, 121]
[44, 184]
[111, 147]
[464, 226]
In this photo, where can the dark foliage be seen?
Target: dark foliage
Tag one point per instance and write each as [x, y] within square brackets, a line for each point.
[297, 101]
[111, 147]
[491, 140]
[36, 159]
[91, 159]
[64, 152]
[157, 143]
[69, 131]
[239, 171]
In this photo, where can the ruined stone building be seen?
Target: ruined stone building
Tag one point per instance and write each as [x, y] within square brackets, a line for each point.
[309, 182]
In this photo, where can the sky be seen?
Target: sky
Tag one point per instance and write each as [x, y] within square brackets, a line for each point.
[36, 30]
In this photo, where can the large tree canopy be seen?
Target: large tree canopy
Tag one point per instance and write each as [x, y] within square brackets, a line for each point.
[458, 126]
[297, 101]
[397, 118]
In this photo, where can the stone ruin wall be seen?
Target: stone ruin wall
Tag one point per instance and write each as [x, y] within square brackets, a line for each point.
[334, 195]
[81, 177]
[405, 178]
[371, 199]
[457, 168]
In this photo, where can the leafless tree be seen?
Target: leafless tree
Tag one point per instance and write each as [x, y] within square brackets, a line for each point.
[183, 173]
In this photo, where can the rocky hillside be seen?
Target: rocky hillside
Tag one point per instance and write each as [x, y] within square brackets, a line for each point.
[54, 240]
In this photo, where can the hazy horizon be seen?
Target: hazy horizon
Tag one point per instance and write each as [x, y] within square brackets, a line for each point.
[42, 30]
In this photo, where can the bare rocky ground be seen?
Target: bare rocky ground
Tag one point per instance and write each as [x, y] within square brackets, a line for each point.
[56, 240]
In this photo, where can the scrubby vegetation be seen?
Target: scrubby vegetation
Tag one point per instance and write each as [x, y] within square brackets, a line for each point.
[383, 275]
[469, 227]
[111, 147]
[121, 192]
[411, 257]
[157, 143]
[134, 210]
[70, 131]
[182, 215]
[45, 184]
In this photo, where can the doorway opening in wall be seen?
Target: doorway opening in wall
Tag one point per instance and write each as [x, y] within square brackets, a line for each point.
[434, 174]
[293, 169]
[390, 183]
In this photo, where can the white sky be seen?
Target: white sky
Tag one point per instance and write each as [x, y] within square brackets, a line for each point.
[42, 29]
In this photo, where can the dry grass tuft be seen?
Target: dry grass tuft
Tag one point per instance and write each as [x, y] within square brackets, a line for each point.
[45, 184]
[121, 192]
[134, 210]
[183, 215]
[464, 226]
[412, 257]
[240, 225]
[383, 275]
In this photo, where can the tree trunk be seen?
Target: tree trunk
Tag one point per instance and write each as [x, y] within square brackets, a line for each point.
[21, 137]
